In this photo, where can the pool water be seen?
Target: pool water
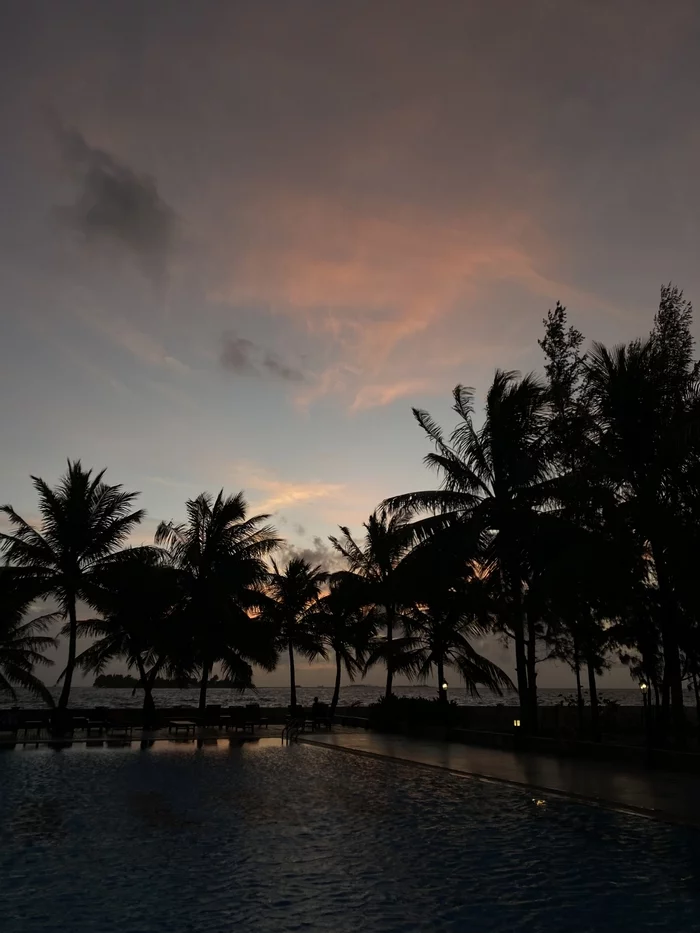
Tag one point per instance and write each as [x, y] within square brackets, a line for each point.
[270, 838]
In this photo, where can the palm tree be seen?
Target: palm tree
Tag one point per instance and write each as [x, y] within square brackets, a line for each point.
[374, 571]
[138, 597]
[346, 628]
[496, 477]
[291, 594]
[220, 556]
[84, 521]
[451, 606]
[21, 642]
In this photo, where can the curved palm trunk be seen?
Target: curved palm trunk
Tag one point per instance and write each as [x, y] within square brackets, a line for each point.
[206, 670]
[390, 651]
[72, 645]
[292, 678]
[336, 688]
[147, 680]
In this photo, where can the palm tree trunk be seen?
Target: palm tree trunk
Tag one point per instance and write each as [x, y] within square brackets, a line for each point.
[204, 682]
[532, 674]
[579, 692]
[336, 689]
[292, 680]
[593, 690]
[518, 623]
[672, 683]
[390, 651]
[442, 693]
[72, 646]
[147, 680]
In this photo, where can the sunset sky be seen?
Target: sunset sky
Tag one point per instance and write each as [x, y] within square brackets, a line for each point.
[239, 240]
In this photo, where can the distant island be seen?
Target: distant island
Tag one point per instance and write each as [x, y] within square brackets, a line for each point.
[126, 680]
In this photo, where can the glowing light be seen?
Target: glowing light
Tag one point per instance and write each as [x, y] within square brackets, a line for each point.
[444, 686]
[516, 723]
[539, 803]
[644, 686]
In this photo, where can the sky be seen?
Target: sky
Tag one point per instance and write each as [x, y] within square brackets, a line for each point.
[240, 240]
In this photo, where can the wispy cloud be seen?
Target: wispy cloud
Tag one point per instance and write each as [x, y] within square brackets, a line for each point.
[275, 494]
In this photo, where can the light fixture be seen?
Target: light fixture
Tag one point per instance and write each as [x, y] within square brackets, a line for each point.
[516, 723]
[644, 686]
[540, 803]
[444, 686]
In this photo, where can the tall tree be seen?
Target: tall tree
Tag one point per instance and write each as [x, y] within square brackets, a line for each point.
[373, 570]
[450, 609]
[648, 420]
[138, 597]
[291, 594]
[496, 476]
[346, 628]
[220, 556]
[84, 521]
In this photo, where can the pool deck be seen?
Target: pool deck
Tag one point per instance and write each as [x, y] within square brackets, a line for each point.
[673, 798]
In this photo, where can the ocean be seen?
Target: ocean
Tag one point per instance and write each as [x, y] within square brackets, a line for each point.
[350, 695]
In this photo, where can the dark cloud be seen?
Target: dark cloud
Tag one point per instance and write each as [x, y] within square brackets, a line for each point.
[245, 358]
[277, 368]
[116, 205]
[236, 355]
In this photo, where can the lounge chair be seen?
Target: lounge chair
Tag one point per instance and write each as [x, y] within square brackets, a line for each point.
[254, 717]
[118, 725]
[234, 718]
[320, 718]
[212, 716]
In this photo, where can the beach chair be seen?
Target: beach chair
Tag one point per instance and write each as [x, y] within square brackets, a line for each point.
[235, 719]
[117, 725]
[321, 718]
[254, 717]
[212, 716]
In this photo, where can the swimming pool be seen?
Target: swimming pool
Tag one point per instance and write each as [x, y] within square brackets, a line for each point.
[270, 838]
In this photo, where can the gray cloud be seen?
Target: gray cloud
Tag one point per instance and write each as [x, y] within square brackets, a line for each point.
[245, 358]
[116, 205]
[320, 552]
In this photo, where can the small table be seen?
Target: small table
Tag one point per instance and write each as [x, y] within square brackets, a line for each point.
[186, 724]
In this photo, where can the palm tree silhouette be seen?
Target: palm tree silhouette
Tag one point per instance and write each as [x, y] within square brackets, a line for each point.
[220, 556]
[497, 476]
[346, 628]
[138, 596]
[451, 607]
[374, 572]
[21, 642]
[291, 594]
[84, 521]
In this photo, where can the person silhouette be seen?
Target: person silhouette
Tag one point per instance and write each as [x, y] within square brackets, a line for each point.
[314, 708]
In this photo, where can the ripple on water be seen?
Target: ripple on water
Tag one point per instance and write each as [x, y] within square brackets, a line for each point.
[301, 838]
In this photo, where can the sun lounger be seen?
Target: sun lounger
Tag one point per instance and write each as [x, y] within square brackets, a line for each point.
[174, 725]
